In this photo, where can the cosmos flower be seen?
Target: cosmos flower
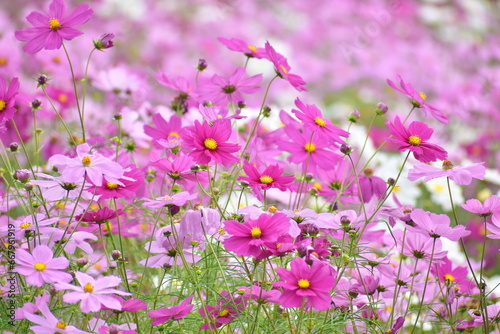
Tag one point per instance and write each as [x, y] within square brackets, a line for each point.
[283, 69]
[210, 143]
[414, 138]
[236, 44]
[48, 31]
[41, 267]
[461, 175]
[92, 293]
[310, 282]
[164, 314]
[271, 177]
[436, 225]
[8, 98]
[418, 99]
[224, 312]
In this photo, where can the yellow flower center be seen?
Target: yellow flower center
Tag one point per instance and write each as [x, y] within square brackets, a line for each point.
[449, 277]
[272, 209]
[210, 143]
[61, 324]
[63, 98]
[253, 48]
[447, 165]
[59, 205]
[25, 225]
[266, 179]
[2, 105]
[317, 185]
[88, 287]
[40, 266]
[86, 161]
[3, 61]
[54, 24]
[423, 96]
[283, 69]
[438, 188]
[304, 283]
[320, 121]
[256, 232]
[223, 313]
[310, 147]
[56, 59]
[414, 140]
[173, 133]
[111, 185]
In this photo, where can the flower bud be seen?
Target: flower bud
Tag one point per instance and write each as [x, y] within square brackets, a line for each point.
[116, 254]
[82, 262]
[104, 42]
[381, 108]
[28, 186]
[22, 175]
[202, 65]
[345, 221]
[354, 116]
[195, 168]
[244, 183]
[36, 104]
[241, 104]
[266, 112]
[345, 149]
[14, 147]
[42, 80]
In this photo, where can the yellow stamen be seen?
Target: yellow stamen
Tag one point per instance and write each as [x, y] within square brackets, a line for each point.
[59, 205]
[40, 266]
[63, 98]
[449, 277]
[438, 188]
[221, 231]
[223, 313]
[320, 121]
[414, 140]
[423, 96]
[2, 105]
[310, 147]
[253, 48]
[283, 69]
[88, 287]
[317, 185]
[86, 161]
[272, 209]
[25, 225]
[303, 283]
[56, 59]
[111, 185]
[3, 61]
[61, 324]
[54, 24]
[256, 232]
[266, 179]
[210, 143]
[173, 133]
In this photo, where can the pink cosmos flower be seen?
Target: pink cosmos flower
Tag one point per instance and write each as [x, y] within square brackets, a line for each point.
[47, 323]
[8, 98]
[418, 99]
[271, 177]
[461, 175]
[249, 238]
[92, 165]
[236, 44]
[283, 69]
[226, 310]
[99, 216]
[129, 183]
[28, 226]
[48, 31]
[58, 187]
[222, 90]
[210, 143]
[179, 170]
[313, 118]
[164, 314]
[308, 149]
[178, 199]
[447, 274]
[127, 328]
[436, 225]
[213, 113]
[311, 282]
[371, 186]
[41, 267]
[92, 293]
[415, 139]
[490, 205]
[163, 129]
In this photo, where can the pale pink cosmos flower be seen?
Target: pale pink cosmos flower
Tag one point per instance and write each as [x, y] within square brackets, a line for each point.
[86, 163]
[178, 199]
[490, 205]
[41, 267]
[47, 323]
[58, 187]
[50, 29]
[32, 224]
[93, 293]
[461, 175]
[436, 225]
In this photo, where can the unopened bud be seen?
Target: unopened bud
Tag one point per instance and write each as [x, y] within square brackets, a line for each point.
[244, 183]
[14, 147]
[202, 65]
[42, 80]
[22, 175]
[381, 108]
[82, 262]
[116, 254]
[28, 186]
[345, 149]
[354, 116]
[195, 168]
[36, 104]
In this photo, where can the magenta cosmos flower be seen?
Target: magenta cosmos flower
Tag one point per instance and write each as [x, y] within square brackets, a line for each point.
[249, 238]
[417, 99]
[302, 281]
[41, 267]
[283, 69]
[227, 309]
[269, 178]
[93, 292]
[210, 143]
[239, 45]
[7, 98]
[221, 91]
[415, 139]
[164, 314]
[313, 118]
[49, 30]
[461, 175]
